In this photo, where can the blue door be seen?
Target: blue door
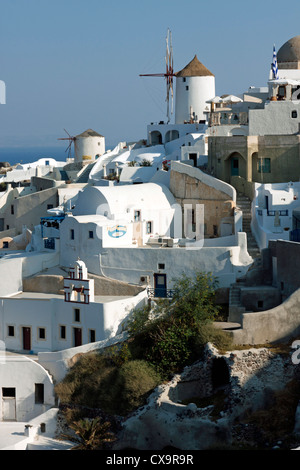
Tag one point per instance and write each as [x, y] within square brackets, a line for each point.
[160, 285]
[234, 166]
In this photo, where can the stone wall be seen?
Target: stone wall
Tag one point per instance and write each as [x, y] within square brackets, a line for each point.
[249, 379]
[279, 324]
[192, 189]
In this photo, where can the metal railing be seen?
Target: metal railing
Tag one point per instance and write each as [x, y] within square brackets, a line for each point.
[159, 292]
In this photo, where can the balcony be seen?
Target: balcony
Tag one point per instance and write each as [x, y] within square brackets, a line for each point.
[161, 293]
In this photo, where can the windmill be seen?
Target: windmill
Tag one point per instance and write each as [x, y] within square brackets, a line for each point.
[72, 140]
[168, 75]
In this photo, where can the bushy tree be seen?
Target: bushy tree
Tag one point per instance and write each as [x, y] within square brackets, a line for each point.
[173, 338]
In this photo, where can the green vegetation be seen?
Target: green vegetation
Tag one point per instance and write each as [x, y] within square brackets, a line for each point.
[162, 340]
[179, 329]
[90, 434]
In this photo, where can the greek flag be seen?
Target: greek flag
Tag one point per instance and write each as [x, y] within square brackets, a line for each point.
[274, 65]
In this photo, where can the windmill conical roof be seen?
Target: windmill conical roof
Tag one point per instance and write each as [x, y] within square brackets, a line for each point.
[89, 133]
[194, 69]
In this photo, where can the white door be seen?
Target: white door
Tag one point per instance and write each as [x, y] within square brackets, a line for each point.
[9, 409]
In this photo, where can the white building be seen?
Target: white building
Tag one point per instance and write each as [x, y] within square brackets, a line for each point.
[33, 322]
[27, 389]
[135, 233]
[275, 212]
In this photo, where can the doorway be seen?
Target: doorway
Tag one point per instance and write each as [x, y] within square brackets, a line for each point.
[234, 166]
[160, 285]
[26, 330]
[193, 156]
[77, 337]
[9, 404]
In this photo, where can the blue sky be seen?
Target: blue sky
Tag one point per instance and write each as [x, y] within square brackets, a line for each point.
[75, 64]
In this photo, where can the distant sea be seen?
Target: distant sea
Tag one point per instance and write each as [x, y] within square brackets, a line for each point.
[15, 155]
[21, 155]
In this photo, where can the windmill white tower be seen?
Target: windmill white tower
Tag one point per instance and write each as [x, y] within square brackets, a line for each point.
[195, 85]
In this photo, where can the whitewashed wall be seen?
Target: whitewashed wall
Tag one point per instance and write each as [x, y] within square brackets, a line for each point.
[22, 373]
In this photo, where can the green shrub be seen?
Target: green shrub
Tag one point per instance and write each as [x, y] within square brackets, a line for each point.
[134, 381]
[98, 383]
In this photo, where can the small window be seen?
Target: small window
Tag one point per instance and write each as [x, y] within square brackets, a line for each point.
[72, 234]
[42, 333]
[11, 330]
[62, 332]
[260, 304]
[294, 114]
[282, 285]
[184, 79]
[91, 234]
[92, 336]
[215, 230]
[137, 216]
[77, 314]
[12, 209]
[264, 165]
[187, 88]
[149, 227]
[39, 394]
[5, 245]
[161, 266]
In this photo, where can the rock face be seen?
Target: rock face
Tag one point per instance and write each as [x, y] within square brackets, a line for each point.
[247, 379]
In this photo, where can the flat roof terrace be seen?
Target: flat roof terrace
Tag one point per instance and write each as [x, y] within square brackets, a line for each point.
[101, 299]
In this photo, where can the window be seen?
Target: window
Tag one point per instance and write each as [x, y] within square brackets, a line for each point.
[184, 79]
[62, 330]
[149, 227]
[39, 394]
[137, 216]
[91, 234]
[5, 244]
[42, 333]
[187, 87]
[294, 114]
[12, 209]
[92, 336]
[72, 234]
[260, 304]
[264, 165]
[161, 265]
[10, 330]
[77, 314]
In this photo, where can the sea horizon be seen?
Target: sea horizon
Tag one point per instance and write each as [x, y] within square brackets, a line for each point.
[15, 155]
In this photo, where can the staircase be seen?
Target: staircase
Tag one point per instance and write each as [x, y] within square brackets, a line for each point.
[244, 203]
[235, 306]
[84, 176]
[236, 309]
